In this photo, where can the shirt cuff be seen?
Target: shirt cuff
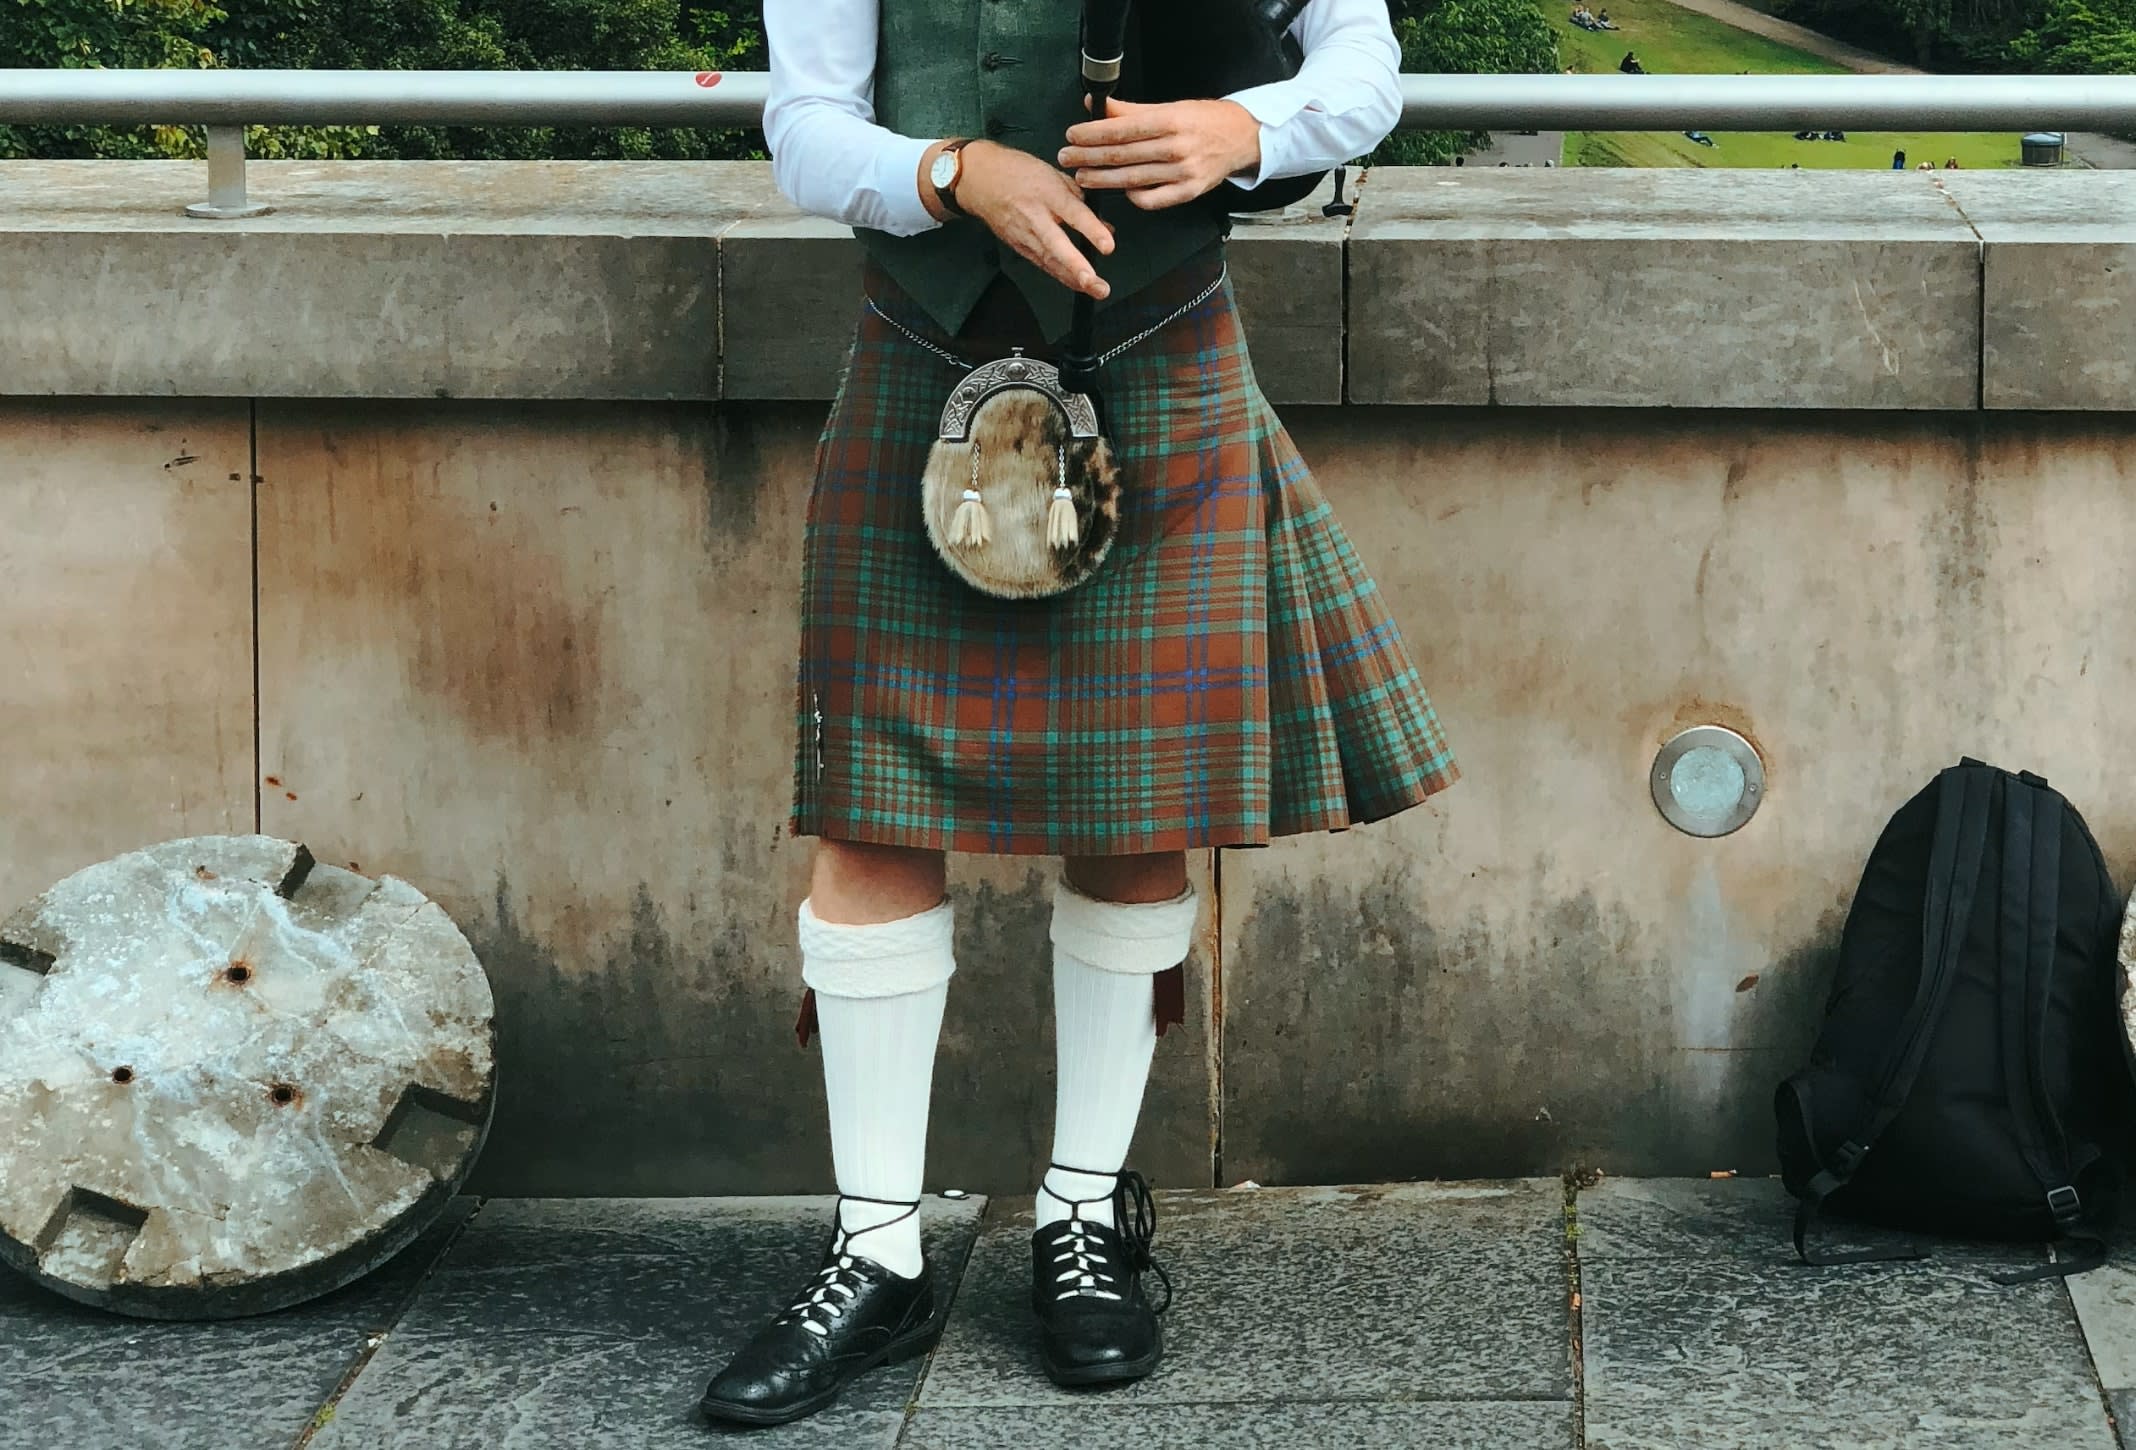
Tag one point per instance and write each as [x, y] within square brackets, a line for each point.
[1272, 105]
[894, 176]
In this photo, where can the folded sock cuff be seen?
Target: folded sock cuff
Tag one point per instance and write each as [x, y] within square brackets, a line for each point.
[881, 959]
[1134, 938]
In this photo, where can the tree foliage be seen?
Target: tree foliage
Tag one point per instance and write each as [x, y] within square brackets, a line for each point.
[2081, 37]
[680, 35]
[1469, 37]
[1938, 34]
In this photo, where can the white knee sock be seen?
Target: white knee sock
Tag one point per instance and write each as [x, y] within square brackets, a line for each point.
[1106, 956]
[879, 995]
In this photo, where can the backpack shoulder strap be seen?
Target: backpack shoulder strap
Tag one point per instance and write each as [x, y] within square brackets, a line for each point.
[1958, 851]
[2031, 916]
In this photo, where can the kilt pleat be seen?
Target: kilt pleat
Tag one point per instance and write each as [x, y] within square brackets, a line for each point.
[1229, 675]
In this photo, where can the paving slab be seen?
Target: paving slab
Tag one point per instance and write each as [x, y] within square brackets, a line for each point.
[1516, 1425]
[2105, 1301]
[1750, 1219]
[596, 1323]
[1407, 1292]
[1690, 1338]
[72, 1376]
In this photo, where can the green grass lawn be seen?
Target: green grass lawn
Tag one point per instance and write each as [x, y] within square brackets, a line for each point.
[1670, 39]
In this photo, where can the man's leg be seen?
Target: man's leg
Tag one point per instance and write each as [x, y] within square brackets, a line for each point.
[875, 953]
[875, 950]
[1124, 919]
[1118, 923]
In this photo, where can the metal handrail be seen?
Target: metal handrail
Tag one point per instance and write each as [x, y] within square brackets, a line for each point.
[382, 97]
[736, 98]
[226, 101]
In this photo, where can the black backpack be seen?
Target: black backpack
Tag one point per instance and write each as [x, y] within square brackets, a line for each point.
[1971, 1062]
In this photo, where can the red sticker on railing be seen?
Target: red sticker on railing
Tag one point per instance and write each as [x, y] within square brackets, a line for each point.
[708, 77]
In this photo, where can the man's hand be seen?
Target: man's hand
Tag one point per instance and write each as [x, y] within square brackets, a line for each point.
[1162, 154]
[1030, 206]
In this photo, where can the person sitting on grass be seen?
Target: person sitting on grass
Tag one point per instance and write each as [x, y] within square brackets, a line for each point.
[1630, 65]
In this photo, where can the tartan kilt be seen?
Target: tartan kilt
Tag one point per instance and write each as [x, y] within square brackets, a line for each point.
[1230, 674]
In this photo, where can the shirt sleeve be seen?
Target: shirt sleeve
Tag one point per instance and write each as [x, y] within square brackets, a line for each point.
[1345, 99]
[827, 154]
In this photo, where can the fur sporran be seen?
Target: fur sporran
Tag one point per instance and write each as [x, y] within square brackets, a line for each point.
[1021, 495]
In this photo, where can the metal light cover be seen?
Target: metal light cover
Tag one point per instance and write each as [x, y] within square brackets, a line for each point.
[1707, 781]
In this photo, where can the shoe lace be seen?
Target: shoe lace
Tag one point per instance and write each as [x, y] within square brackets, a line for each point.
[824, 1298]
[1086, 1269]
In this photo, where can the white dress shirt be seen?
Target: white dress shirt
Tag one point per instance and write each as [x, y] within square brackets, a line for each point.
[829, 157]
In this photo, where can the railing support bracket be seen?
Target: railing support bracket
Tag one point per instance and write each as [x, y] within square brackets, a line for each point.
[226, 178]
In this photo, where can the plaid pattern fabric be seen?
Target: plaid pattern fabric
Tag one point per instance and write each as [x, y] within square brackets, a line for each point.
[1229, 674]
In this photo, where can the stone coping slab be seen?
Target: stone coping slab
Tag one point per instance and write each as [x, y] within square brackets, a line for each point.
[1514, 286]
[1688, 289]
[2058, 326]
[422, 198]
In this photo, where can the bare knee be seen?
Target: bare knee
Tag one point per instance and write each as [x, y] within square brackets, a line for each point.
[1158, 876]
[856, 884]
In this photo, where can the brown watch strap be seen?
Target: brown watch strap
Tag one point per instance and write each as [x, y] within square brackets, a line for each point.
[947, 195]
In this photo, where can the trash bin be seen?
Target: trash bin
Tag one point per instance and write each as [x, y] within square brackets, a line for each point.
[2043, 148]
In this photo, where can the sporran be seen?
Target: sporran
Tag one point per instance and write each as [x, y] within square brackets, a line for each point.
[1021, 495]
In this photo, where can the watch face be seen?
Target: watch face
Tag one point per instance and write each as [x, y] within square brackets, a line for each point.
[944, 170]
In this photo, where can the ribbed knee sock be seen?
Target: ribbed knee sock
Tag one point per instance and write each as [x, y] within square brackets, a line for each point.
[1106, 956]
[879, 991]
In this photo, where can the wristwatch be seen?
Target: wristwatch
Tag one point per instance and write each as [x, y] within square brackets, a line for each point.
[946, 171]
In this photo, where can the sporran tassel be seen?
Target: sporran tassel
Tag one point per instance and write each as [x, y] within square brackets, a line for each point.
[1061, 531]
[967, 528]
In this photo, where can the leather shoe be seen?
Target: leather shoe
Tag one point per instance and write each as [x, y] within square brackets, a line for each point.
[852, 1316]
[1096, 1325]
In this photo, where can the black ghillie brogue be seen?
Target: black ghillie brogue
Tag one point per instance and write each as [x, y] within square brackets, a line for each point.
[851, 1317]
[1096, 1324]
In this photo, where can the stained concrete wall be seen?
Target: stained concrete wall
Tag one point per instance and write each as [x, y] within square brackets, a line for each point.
[532, 648]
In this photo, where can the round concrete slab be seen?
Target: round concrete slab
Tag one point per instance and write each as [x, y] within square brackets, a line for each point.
[230, 1078]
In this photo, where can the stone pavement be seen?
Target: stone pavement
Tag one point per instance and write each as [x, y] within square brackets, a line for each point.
[1642, 1313]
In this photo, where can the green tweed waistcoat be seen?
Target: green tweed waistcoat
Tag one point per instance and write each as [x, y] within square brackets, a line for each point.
[1007, 70]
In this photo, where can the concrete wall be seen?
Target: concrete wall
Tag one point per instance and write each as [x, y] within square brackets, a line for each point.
[1731, 449]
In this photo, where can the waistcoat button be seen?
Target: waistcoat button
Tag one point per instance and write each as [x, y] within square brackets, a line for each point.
[995, 126]
[991, 60]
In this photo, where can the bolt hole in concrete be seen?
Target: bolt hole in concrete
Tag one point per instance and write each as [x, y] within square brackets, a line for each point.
[122, 1075]
[239, 973]
[282, 1094]
[1708, 781]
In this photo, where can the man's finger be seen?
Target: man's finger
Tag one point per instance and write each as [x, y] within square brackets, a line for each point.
[1083, 219]
[1137, 123]
[1157, 198]
[1130, 178]
[1068, 266]
[1162, 148]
